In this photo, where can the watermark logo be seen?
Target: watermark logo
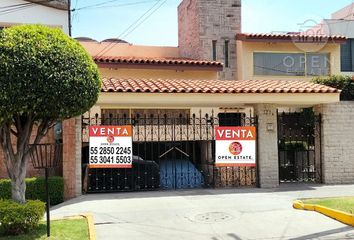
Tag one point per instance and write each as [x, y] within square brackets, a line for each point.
[309, 31]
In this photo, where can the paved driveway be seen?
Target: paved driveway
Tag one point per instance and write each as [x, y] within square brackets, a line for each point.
[231, 214]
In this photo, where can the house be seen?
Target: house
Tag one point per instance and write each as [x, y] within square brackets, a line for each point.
[175, 97]
[341, 23]
[50, 13]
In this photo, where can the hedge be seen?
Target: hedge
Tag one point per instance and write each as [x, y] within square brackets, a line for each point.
[16, 218]
[344, 83]
[35, 189]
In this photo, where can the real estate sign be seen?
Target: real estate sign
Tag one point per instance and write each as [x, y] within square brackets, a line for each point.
[235, 146]
[110, 147]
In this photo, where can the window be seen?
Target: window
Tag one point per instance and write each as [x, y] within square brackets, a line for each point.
[231, 119]
[226, 49]
[214, 49]
[291, 64]
[347, 53]
[317, 64]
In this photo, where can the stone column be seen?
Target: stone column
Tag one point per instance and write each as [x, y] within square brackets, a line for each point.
[72, 157]
[268, 164]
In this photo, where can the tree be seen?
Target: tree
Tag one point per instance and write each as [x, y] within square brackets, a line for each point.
[45, 76]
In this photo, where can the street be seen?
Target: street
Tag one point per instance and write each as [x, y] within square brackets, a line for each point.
[230, 214]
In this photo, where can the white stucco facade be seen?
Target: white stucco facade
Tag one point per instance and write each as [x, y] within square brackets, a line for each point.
[24, 12]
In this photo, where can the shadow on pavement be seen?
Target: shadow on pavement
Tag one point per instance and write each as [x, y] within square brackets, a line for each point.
[327, 233]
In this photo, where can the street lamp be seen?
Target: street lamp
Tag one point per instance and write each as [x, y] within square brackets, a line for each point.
[46, 156]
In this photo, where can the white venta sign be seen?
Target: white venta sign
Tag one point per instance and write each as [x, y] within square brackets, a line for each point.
[235, 146]
[110, 147]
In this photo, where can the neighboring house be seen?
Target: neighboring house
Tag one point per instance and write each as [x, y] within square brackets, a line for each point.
[287, 56]
[49, 13]
[341, 23]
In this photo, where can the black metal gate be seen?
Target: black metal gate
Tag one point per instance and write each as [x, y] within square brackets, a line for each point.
[299, 143]
[168, 153]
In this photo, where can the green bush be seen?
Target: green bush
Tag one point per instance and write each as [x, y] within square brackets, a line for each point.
[18, 218]
[36, 189]
[344, 83]
[293, 146]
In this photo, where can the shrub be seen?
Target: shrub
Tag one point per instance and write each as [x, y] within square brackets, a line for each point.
[18, 218]
[293, 146]
[344, 83]
[36, 189]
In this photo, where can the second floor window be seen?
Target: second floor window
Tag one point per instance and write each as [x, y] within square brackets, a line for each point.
[214, 49]
[347, 54]
[291, 64]
[226, 50]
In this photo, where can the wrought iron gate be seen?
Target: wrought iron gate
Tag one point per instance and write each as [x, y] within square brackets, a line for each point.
[168, 153]
[299, 143]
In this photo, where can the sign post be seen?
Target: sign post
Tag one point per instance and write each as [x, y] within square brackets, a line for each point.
[110, 147]
[235, 146]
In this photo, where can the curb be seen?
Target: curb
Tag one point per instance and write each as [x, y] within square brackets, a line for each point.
[91, 226]
[340, 216]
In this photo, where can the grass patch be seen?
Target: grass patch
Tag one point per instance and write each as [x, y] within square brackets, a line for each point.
[345, 204]
[76, 229]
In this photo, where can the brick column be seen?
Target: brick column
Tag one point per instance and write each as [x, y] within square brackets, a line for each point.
[72, 157]
[337, 137]
[268, 164]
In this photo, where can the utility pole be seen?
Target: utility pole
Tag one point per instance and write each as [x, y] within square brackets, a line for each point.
[69, 16]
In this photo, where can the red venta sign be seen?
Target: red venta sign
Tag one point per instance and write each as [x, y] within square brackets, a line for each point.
[110, 147]
[235, 146]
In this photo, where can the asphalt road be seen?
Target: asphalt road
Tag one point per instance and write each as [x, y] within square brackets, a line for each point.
[230, 214]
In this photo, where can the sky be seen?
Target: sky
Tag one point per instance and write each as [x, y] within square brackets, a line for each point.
[154, 22]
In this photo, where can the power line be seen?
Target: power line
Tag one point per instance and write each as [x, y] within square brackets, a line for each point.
[116, 5]
[4, 12]
[127, 34]
[17, 7]
[136, 21]
[95, 5]
[133, 26]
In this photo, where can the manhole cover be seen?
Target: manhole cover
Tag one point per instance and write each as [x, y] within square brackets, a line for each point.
[213, 217]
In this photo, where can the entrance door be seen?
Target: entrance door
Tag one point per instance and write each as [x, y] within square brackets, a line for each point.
[299, 146]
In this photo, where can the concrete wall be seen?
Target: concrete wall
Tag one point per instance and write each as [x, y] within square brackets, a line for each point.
[188, 30]
[158, 74]
[34, 14]
[345, 13]
[201, 22]
[268, 166]
[337, 142]
[128, 50]
[246, 50]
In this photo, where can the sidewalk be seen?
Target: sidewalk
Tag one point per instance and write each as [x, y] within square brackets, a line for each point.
[210, 214]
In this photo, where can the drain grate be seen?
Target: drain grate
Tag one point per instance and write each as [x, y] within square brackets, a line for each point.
[213, 217]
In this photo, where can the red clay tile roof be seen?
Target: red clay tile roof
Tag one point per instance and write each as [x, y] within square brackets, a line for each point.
[212, 86]
[155, 61]
[289, 37]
